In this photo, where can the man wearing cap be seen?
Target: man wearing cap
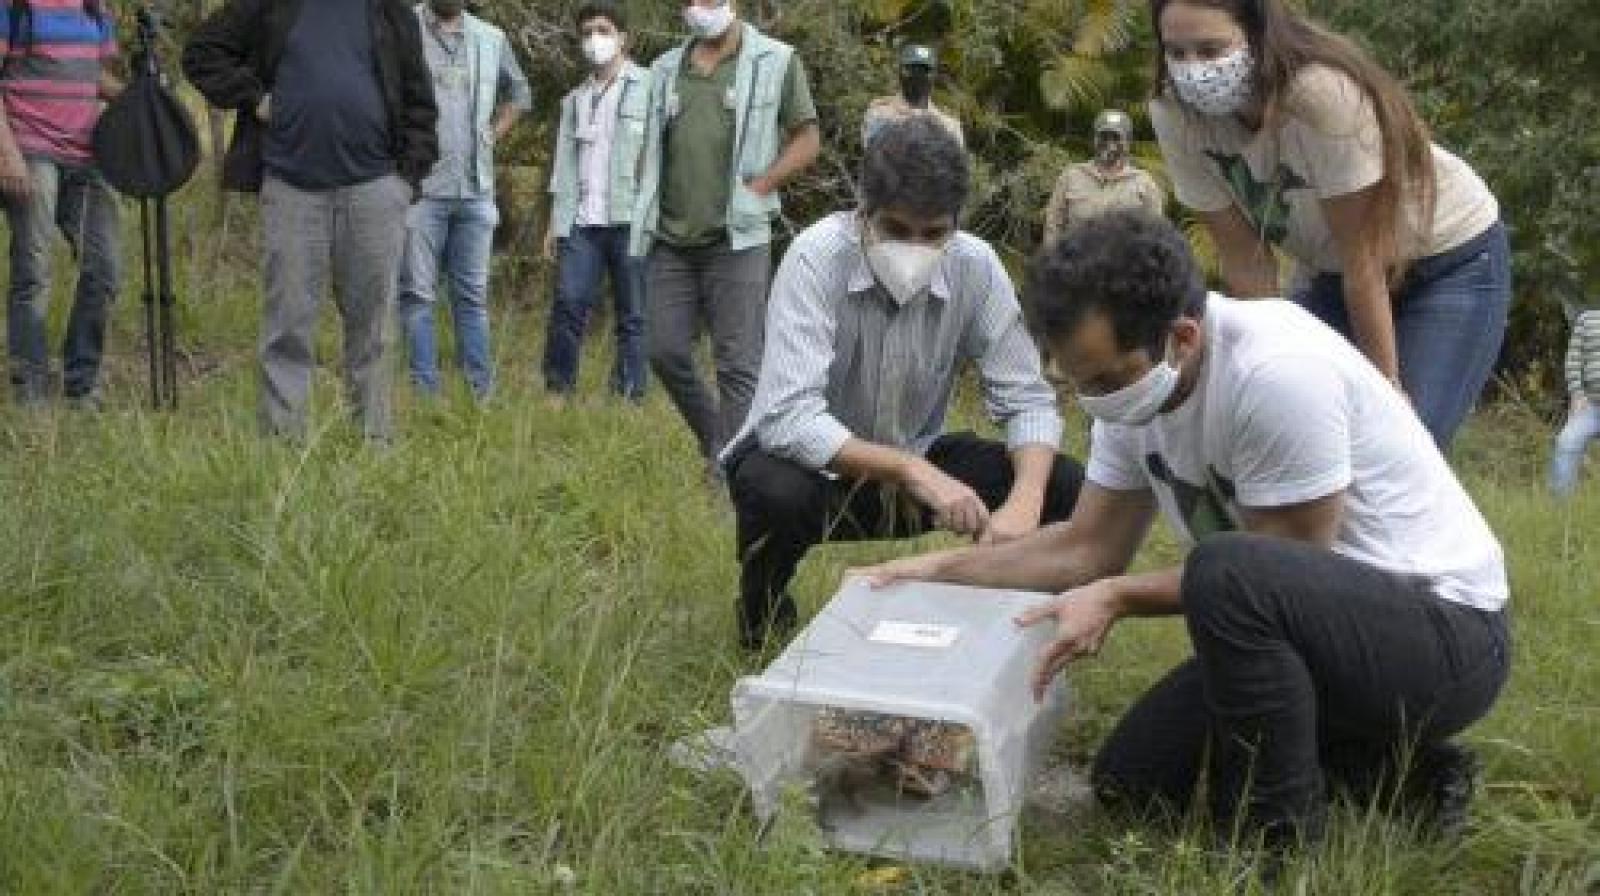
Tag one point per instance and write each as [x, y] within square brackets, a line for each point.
[1108, 182]
[917, 68]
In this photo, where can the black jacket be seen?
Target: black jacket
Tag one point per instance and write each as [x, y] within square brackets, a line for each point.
[234, 55]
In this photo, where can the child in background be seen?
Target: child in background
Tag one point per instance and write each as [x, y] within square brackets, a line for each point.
[1583, 419]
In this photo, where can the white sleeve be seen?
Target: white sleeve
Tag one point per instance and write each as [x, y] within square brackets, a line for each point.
[1195, 180]
[1290, 432]
[1114, 462]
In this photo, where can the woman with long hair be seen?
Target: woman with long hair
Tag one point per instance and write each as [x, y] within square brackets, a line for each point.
[1278, 132]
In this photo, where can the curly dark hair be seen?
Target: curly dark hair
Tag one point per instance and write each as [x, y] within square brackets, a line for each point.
[602, 9]
[1131, 266]
[916, 165]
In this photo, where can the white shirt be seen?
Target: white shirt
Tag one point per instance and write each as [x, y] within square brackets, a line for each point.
[596, 108]
[1286, 412]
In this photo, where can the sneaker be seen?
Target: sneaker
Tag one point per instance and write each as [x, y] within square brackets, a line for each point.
[774, 628]
[1439, 790]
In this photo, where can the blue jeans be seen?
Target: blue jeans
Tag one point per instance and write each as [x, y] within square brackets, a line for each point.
[1583, 427]
[76, 202]
[456, 235]
[581, 260]
[1449, 322]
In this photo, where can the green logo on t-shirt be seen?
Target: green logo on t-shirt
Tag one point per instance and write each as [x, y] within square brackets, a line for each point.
[1262, 202]
[1204, 509]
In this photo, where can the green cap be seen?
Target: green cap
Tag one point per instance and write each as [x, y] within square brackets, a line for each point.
[917, 54]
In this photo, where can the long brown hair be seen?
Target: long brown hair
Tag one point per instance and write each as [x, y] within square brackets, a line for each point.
[1284, 42]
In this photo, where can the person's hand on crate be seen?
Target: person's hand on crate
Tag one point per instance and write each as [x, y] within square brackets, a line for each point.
[917, 568]
[1082, 616]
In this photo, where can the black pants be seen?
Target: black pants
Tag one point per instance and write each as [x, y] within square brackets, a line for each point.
[784, 509]
[1311, 672]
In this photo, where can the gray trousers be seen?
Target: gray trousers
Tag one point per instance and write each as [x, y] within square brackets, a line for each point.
[724, 292]
[359, 233]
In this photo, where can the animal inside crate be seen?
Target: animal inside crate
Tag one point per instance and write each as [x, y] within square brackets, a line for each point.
[906, 714]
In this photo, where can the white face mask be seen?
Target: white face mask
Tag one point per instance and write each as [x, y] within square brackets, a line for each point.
[708, 24]
[904, 269]
[1138, 403]
[600, 49]
[1219, 87]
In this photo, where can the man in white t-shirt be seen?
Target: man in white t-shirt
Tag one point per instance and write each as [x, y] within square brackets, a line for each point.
[1343, 594]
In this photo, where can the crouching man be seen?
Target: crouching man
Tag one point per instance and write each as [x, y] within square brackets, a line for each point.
[1344, 596]
[873, 314]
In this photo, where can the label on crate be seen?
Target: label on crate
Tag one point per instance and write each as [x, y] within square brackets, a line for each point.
[915, 634]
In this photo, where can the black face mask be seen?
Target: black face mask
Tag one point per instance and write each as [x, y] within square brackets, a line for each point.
[1110, 153]
[916, 85]
[447, 9]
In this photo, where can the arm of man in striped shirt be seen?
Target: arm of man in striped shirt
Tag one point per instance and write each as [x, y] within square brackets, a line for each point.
[1016, 396]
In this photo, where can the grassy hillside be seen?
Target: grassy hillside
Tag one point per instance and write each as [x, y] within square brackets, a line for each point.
[230, 665]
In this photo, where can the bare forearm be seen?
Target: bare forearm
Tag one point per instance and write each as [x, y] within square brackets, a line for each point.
[1150, 594]
[1251, 273]
[1031, 466]
[798, 154]
[1366, 298]
[1047, 561]
[8, 142]
[861, 459]
[505, 119]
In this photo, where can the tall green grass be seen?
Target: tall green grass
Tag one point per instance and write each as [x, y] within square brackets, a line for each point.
[230, 665]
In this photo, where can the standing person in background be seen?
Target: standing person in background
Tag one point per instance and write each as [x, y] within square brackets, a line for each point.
[1279, 132]
[731, 122]
[53, 77]
[335, 127]
[1583, 416]
[1108, 182]
[593, 187]
[918, 66]
[480, 91]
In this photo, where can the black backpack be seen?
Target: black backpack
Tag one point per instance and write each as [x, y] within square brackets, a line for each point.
[145, 143]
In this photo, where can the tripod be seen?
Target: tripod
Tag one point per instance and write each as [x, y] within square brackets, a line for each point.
[158, 298]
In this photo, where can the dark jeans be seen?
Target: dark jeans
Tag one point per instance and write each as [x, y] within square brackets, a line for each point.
[75, 202]
[724, 292]
[1311, 672]
[784, 509]
[582, 259]
[1449, 321]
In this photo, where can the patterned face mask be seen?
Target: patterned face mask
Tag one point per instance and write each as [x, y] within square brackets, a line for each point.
[1218, 87]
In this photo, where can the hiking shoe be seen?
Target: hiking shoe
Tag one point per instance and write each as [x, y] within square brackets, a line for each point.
[772, 627]
[1439, 790]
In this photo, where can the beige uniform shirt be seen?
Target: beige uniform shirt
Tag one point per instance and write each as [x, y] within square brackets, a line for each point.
[886, 109]
[1084, 191]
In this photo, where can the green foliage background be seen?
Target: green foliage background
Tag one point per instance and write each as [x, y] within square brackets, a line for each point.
[1511, 86]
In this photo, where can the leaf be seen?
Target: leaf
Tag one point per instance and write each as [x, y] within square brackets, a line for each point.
[883, 880]
[1077, 81]
[1106, 27]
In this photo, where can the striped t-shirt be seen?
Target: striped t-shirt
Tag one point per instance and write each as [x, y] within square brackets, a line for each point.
[50, 82]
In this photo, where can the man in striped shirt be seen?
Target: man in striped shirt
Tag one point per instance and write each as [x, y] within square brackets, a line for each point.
[872, 314]
[53, 56]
